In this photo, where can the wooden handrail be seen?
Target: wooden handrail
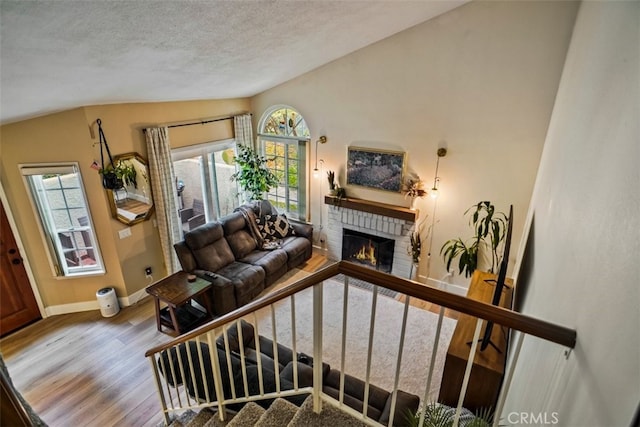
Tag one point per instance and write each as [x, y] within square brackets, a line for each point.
[529, 325]
[514, 320]
[272, 298]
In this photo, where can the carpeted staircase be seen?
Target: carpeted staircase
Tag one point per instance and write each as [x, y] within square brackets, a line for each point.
[281, 413]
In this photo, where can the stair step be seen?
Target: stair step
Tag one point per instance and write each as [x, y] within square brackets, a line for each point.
[214, 421]
[248, 415]
[201, 418]
[329, 416]
[279, 414]
[183, 419]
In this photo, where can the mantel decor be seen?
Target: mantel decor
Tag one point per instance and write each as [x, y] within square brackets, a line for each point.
[373, 168]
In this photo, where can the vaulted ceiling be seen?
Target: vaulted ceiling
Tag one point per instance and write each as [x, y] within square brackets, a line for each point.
[57, 55]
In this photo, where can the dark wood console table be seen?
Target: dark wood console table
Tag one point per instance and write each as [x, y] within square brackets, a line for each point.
[488, 365]
[180, 316]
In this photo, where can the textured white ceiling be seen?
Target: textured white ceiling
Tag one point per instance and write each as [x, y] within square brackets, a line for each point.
[56, 55]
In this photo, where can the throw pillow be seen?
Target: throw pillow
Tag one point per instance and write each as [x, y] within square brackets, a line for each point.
[274, 227]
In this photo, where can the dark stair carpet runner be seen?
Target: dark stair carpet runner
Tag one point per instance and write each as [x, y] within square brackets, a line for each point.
[281, 413]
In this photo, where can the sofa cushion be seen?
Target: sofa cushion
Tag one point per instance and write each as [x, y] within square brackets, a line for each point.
[405, 403]
[297, 249]
[269, 384]
[247, 280]
[274, 227]
[305, 373]
[270, 261]
[355, 387]
[237, 235]
[210, 250]
[233, 338]
[352, 402]
[171, 359]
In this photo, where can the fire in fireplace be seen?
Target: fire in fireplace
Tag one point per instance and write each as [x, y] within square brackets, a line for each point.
[372, 251]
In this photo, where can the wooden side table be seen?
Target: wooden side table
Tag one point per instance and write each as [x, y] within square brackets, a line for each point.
[488, 366]
[180, 316]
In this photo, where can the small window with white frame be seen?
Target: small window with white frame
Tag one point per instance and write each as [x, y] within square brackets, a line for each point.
[60, 203]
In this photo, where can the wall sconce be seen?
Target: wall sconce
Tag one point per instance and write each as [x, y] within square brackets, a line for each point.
[434, 191]
[316, 171]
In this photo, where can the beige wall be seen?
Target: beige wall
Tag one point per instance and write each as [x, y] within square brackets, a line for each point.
[582, 266]
[72, 136]
[479, 80]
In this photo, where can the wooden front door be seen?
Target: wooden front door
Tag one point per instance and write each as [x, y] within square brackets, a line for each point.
[18, 306]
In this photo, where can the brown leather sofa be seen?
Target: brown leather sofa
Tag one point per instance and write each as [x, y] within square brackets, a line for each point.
[229, 254]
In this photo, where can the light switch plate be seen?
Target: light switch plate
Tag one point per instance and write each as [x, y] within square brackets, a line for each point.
[125, 232]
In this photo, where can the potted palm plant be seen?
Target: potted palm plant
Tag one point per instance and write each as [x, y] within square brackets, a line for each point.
[253, 175]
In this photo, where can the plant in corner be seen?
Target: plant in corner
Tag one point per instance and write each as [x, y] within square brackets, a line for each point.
[253, 175]
[489, 227]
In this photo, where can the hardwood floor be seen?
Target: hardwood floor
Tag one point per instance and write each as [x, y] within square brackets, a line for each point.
[82, 369]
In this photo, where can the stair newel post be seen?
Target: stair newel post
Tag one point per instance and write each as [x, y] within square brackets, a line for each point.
[217, 376]
[317, 347]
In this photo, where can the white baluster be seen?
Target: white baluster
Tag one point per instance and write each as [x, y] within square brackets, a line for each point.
[293, 341]
[243, 362]
[217, 375]
[276, 364]
[156, 376]
[467, 372]
[227, 352]
[345, 305]
[205, 382]
[507, 381]
[399, 361]
[317, 347]
[372, 324]
[256, 338]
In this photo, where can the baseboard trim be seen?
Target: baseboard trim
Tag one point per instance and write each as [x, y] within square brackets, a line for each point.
[445, 286]
[78, 307]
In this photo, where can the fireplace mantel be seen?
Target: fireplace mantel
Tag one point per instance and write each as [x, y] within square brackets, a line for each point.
[376, 208]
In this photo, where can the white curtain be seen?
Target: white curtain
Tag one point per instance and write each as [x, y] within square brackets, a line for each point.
[165, 194]
[243, 130]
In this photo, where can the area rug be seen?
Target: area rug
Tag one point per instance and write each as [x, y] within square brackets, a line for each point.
[419, 338]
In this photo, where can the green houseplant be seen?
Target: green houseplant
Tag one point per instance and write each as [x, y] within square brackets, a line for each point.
[124, 171]
[253, 175]
[437, 415]
[489, 227]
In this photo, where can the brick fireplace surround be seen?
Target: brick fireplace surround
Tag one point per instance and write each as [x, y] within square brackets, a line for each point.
[393, 222]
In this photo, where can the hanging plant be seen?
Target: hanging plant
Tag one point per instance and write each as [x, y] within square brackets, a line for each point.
[253, 175]
[124, 171]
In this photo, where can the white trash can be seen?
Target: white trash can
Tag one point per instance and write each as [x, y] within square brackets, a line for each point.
[108, 301]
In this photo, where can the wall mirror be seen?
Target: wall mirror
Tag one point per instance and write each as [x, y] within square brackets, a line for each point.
[131, 203]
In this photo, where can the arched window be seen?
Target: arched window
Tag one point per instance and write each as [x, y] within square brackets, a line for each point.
[283, 137]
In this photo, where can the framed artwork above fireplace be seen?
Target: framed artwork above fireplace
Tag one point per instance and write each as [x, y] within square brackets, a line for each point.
[373, 168]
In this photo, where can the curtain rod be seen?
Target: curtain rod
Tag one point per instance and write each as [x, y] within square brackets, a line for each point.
[200, 122]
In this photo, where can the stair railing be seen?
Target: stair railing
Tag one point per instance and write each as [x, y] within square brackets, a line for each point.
[190, 367]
